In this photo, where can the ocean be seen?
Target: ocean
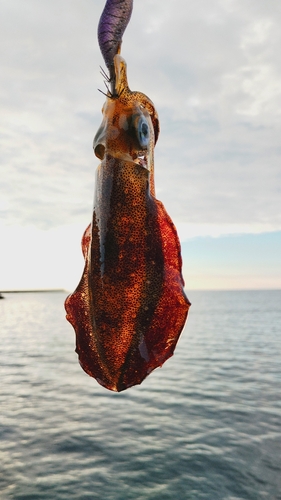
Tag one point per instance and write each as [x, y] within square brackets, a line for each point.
[207, 425]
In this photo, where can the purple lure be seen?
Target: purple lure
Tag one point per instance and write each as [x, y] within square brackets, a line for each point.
[113, 22]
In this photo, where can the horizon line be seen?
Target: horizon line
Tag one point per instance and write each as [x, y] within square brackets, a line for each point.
[37, 290]
[46, 290]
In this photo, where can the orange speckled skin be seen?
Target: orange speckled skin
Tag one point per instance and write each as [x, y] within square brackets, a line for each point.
[129, 307]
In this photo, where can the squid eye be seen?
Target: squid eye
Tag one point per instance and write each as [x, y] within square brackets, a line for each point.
[142, 130]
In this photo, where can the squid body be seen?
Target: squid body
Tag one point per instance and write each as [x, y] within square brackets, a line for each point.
[130, 307]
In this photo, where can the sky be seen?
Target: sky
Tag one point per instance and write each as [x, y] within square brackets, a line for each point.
[212, 69]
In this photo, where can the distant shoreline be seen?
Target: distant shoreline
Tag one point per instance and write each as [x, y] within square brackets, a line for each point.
[43, 290]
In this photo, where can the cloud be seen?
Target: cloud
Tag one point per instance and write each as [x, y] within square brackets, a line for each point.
[32, 258]
[213, 71]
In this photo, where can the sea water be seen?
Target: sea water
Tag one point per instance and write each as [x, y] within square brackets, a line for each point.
[207, 425]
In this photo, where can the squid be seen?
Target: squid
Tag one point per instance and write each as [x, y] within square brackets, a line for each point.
[130, 307]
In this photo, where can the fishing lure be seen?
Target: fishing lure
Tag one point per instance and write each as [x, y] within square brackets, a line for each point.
[130, 307]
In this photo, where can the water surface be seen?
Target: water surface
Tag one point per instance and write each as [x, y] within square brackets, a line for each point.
[204, 426]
